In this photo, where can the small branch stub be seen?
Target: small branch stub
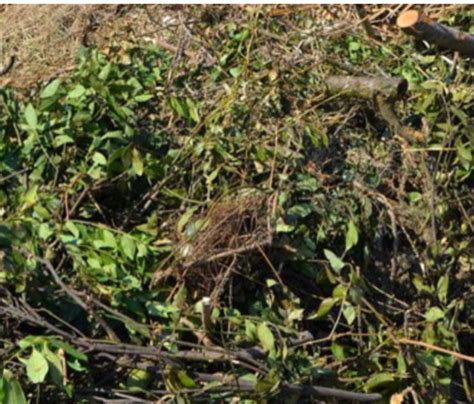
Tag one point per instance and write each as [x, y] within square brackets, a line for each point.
[206, 315]
[417, 24]
[7, 66]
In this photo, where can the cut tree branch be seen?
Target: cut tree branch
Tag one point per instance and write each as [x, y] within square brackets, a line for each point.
[384, 91]
[417, 24]
[393, 88]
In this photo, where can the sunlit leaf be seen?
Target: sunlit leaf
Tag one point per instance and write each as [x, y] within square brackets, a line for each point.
[37, 367]
[352, 235]
[51, 89]
[434, 314]
[266, 337]
[379, 380]
[30, 116]
[336, 263]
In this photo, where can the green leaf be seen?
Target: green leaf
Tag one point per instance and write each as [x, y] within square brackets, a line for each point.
[352, 236]
[13, 393]
[266, 337]
[193, 110]
[128, 246]
[324, 307]
[37, 367]
[434, 314]
[235, 71]
[51, 89]
[250, 331]
[401, 364]
[420, 286]
[269, 383]
[442, 288]
[99, 159]
[69, 350]
[414, 196]
[62, 139]
[180, 297]
[31, 196]
[30, 116]
[185, 380]
[161, 310]
[55, 366]
[77, 92]
[282, 227]
[379, 380]
[339, 291]
[104, 73]
[300, 211]
[338, 351]
[143, 97]
[137, 162]
[44, 231]
[184, 219]
[464, 153]
[31, 340]
[137, 380]
[109, 239]
[336, 263]
[180, 107]
[349, 312]
[72, 228]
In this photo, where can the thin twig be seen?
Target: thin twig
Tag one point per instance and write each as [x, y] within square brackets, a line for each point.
[436, 348]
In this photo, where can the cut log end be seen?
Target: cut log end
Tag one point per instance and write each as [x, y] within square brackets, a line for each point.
[417, 24]
[408, 19]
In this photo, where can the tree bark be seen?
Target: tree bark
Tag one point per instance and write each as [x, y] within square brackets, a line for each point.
[393, 88]
[417, 24]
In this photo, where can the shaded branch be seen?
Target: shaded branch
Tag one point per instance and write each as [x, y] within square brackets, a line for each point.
[289, 388]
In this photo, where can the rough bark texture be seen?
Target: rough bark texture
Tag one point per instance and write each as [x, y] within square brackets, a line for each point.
[392, 88]
[419, 25]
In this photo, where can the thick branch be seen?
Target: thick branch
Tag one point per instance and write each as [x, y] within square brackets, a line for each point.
[393, 88]
[208, 354]
[303, 390]
[415, 23]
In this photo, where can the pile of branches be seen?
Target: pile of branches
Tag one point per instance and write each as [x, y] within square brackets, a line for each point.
[274, 209]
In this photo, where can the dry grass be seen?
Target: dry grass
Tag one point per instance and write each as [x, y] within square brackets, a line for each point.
[45, 39]
[229, 229]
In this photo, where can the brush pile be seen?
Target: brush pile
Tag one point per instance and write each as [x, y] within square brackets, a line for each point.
[195, 210]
